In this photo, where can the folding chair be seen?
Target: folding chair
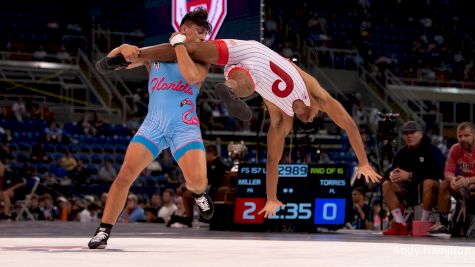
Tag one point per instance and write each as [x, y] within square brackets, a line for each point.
[33, 184]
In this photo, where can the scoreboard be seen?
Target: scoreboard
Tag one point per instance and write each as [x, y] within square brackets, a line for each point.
[315, 195]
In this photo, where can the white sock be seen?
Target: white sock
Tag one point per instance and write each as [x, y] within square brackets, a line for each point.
[397, 214]
[425, 215]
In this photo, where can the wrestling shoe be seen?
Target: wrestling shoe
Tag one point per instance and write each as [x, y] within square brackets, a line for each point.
[107, 64]
[397, 229]
[236, 106]
[99, 241]
[205, 204]
[439, 230]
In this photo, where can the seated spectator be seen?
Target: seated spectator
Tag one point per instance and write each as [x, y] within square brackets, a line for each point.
[63, 56]
[50, 211]
[85, 124]
[34, 208]
[459, 181]
[132, 212]
[9, 182]
[38, 156]
[53, 133]
[19, 110]
[175, 176]
[361, 210]
[215, 170]
[151, 215]
[99, 123]
[58, 170]
[107, 173]
[156, 201]
[5, 113]
[79, 175]
[6, 152]
[40, 53]
[36, 113]
[168, 206]
[68, 163]
[180, 218]
[64, 207]
[5, 135]
[418, 163]
[154, 168]
[90, 213]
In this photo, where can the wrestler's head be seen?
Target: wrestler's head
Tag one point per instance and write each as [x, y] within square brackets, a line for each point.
[466, 135]
[303, 112]
[195, 25]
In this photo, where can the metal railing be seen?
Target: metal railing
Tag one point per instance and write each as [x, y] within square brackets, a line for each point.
[390, 100]
[312, 53]
[92, 71]
[74, 113]
[432, 83]
[407, 94]
[21, 56]
[312, 65]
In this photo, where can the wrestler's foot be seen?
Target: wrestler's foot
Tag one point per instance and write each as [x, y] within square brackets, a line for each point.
[99, 241]
[237, 108]
[205, 204]
[107, 64]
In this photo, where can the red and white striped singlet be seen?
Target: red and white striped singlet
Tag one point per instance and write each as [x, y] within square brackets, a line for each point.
[275, 79]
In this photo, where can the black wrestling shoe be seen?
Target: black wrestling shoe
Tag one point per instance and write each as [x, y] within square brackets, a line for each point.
[99, 241]
[237, 108]
[205, 204]
[107, 64]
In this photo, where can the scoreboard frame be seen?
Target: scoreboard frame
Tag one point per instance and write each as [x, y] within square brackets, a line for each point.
[315, 195]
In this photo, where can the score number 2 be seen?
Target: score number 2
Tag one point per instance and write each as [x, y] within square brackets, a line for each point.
[246, 210]
[250, 208]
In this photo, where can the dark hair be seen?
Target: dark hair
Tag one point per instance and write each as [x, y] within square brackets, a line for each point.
[170, 191]
[93, 206]
[360, 190]
[211, 149]
[199, 16]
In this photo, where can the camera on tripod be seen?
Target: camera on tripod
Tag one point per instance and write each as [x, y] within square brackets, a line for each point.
[387, 125]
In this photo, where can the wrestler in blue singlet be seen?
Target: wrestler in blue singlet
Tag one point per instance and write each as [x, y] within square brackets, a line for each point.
[171, 120]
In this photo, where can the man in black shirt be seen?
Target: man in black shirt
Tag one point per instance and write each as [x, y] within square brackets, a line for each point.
[216, 170]
[418, 163]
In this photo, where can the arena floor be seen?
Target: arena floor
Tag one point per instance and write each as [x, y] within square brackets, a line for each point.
[65, 244]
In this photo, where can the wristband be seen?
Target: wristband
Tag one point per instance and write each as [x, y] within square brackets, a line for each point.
[177, 39]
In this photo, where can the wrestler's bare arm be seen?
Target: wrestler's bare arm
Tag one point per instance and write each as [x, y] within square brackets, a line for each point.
[340, 116]
[161, 52]
[194, 73]
[205, 52]
[280, 127]
[278, 130]
[131, 54]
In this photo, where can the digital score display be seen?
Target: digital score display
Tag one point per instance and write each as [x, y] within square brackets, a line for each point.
[314, 195]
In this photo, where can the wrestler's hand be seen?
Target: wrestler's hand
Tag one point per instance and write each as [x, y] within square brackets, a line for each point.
[270, 209]
[368, 172]
[130, 52]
